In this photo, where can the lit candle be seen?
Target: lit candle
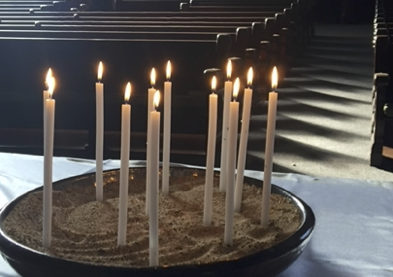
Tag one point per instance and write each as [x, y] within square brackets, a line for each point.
[167, 130]
[225, 128]
[99, 134]
[48, 157]
[270, 131]
[150, 107]
[241, 159]
[231, 166]
[124, 166]
[46, 95]
[153, 172]
[211, 149]
[46, 92]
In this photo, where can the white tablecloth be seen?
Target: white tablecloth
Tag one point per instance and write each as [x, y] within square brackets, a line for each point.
[353, 235]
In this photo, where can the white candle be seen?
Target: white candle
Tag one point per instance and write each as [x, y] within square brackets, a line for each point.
[225, 128]
[211, 149]
[153, 192]
[124, 167]
[167, 130]
[48, 157]
[232, 145]
[150, 107]
[270, 132]
[241, 159]
[99, 134]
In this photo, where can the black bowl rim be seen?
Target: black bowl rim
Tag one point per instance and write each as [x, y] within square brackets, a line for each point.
[11, 249]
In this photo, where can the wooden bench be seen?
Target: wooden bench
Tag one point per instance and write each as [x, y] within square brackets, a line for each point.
[68, 56]
[382, 96]
[76, 77]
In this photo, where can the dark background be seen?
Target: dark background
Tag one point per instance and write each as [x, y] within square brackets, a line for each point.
[344, 11]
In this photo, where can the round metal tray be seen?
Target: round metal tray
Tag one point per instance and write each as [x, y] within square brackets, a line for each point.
[268, 263]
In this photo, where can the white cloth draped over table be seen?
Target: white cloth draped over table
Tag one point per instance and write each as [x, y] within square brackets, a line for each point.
[353, 235]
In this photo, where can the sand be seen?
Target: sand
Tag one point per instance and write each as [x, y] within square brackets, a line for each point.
[86, 231]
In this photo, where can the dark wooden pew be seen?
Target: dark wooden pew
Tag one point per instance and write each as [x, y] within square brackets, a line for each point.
[147, 5]
[281, 20]
[132, 5]
[74, 63]
[40, 5]
[266, 36]
[25, 2]
[217, 18]
[382, 96]
[148, 15]
[237, 2]
[242, 37]
[77, 60]
[187, 7]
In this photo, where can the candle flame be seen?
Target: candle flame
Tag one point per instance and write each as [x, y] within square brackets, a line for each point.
[229, 69]
[100, 71]
[127, 93]
[51, 86]
[250, 75]
[153, 77]
[214, 83]
[274, 78]
[156, 99]
[48, 76]
[168, 70]
[236, 88]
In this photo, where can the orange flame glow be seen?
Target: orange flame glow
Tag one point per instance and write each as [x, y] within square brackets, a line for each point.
[250, 75]
[153, 77]
[236, 88]
[48, 76]
[274, 78]
[214, 83]
[229, 69]
[100, 71]
[51, 86]
[127, 93]
[168, 70]
[156, 99]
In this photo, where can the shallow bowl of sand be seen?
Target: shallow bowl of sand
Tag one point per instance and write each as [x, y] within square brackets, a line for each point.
[84, 231]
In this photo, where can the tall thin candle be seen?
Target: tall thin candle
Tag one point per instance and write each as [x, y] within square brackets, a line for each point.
[241, 159]
[167, 130]
[150, 107]
[99, 134]
[232, 143]
[211, 149]
[153, 192]
[225, 128]
[270, 132]
[124, 167]
[48, 161]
